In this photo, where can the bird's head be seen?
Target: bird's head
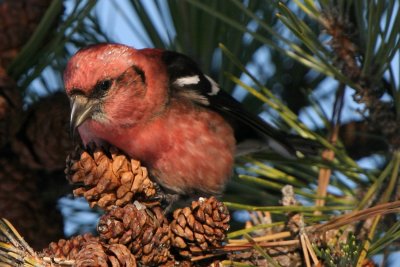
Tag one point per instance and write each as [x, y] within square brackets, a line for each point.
[115, 85]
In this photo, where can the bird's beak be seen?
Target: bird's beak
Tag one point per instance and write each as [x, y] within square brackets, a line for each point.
[81, 110]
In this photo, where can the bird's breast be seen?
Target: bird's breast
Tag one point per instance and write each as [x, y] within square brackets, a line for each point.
[188, 149]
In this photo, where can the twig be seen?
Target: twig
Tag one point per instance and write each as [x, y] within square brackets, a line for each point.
[234, 247]
[261, 238]
[329, 155]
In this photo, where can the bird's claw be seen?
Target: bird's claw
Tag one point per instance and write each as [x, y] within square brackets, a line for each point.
[166, 200]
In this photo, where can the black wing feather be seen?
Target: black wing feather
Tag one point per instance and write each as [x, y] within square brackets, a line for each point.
[245, 124]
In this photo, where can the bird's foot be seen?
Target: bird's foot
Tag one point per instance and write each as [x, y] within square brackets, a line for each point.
[166, 200]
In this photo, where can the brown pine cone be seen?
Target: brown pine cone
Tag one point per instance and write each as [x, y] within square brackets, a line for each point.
[68, 249]
[10, 107]
[200, 227]
[18, 20]
[144, 231]
[95, 253]
[361, 139]
[39, 223]
[43, 141]
[92, 254]
[87, 250]
[107, 177]
[120, 255]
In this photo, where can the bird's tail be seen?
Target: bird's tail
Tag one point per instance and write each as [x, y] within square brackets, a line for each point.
[307, 147]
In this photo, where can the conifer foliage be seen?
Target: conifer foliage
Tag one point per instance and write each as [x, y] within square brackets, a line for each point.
[325, 70]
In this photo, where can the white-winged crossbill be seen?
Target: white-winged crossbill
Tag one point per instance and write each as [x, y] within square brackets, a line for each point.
[158, 107]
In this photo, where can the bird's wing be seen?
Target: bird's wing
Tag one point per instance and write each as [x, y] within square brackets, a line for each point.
[251, 132]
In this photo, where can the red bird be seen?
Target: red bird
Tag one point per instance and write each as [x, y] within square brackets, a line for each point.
[158, 107]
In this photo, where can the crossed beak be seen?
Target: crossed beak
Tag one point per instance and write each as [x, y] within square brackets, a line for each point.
[81, 109]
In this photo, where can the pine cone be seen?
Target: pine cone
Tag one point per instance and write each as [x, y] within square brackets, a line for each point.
[120, 256]
[18, 20]
[92, 254]
[361, 139]
[10, 107]
[108, 177]
[144, 231]
[68, 249]
[95, 253]
[87, 250]
[21, 204]
[383, 117]
[200, 227]
[43, 141]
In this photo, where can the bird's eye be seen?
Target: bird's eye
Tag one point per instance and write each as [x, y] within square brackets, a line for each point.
[103, 85]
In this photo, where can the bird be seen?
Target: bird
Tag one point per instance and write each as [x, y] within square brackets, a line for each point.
[157, 106]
